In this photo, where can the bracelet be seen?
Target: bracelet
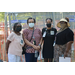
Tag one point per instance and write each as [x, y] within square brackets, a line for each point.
[40, 46]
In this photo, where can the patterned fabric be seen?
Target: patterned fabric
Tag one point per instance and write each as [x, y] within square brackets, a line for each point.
[37, 34]
[59, 50]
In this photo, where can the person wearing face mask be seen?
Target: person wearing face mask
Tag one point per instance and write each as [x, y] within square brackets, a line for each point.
[15, 42]
[34, 35]
[48, 40]
[63, 41]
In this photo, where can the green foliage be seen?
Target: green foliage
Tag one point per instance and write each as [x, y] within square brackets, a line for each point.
[2, 16]
[24, 16]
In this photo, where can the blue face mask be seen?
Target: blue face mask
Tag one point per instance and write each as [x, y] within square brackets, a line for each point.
[31, 25]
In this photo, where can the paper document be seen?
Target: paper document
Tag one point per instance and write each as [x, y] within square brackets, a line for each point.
[66, 59]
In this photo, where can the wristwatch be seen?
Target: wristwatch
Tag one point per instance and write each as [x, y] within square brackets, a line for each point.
[40, 46]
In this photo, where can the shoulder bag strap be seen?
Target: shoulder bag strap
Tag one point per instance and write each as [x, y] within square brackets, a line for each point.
[32, 35]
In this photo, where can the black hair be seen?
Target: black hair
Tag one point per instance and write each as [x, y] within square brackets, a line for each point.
[49, 19]
[31, 18]
[14, 26]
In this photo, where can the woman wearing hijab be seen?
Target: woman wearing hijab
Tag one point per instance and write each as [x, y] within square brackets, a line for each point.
[63, 41]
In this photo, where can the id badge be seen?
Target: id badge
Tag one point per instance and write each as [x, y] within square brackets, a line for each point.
[21, 42]
[44, 34]
[52, 32]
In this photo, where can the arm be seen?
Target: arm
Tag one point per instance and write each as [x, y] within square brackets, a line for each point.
[40, 44]
[41, 41]
[68, 48]
[7, 45]
[9, 40]
[30, 44]
[70, 39]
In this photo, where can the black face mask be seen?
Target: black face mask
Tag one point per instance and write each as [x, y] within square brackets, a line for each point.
[48, 25]
[18, 29]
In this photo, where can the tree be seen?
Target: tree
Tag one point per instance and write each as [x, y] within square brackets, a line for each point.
[2, 16]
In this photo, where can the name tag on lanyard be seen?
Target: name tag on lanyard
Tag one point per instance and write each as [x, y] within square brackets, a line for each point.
[21, 42]
[51, 32]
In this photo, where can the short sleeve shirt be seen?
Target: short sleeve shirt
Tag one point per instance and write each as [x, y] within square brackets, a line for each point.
[37, 34]
[64, 37]
[15, 47]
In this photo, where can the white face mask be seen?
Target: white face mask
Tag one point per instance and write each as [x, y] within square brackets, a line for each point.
[31, 25]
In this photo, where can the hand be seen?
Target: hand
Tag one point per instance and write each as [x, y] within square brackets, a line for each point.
[65, 54]
[6, 51]
[36, 47]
